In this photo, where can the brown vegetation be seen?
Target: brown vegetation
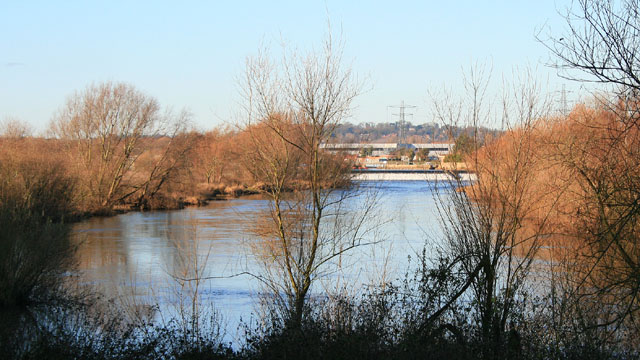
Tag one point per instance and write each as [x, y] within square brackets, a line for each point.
[35, 200]
[108, 130]
[122, 152]
[168, 168]
[580, 197]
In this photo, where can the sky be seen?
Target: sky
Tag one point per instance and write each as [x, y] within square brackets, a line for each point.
[189, 54]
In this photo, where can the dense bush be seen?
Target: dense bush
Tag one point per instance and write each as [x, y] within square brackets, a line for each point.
[95, 329]
[392, 321]
[35, 199]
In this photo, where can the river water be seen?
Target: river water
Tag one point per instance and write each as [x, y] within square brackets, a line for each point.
[146, 257]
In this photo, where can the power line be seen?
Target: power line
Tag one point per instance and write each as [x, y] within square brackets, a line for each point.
[563, 102]
[401, 120]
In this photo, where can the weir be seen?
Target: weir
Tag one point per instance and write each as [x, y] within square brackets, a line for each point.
[410, 175]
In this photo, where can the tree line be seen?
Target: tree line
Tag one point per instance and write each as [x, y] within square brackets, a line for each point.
[387, 132]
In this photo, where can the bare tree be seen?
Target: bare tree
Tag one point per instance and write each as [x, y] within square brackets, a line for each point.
[494, 226]
[292, 110]
[108, 127]
[198, 323]
[105, 123]
[601, 41]
[14, 128]
[601, 156]
[213, 154]
[170, 160]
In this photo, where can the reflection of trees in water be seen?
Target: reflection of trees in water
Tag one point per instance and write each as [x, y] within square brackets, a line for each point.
[99, 243]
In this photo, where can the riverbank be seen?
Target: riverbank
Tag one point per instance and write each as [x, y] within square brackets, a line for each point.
[204, 194]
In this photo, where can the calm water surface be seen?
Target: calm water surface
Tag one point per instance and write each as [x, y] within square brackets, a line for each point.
[144, 255]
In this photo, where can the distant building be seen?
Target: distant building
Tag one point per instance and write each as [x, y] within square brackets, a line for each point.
[436, 149]
[382, 149]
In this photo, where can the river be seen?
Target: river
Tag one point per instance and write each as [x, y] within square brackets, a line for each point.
[141, 257]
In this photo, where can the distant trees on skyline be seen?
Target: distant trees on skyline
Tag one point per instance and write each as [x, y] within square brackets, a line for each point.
[367, 132]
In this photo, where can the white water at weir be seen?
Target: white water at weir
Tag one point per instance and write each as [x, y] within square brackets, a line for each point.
[411, 176]
[140, 257]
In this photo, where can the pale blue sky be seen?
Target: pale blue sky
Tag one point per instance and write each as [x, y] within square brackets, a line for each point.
[189, 53]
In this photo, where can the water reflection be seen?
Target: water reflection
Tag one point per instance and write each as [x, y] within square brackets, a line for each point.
[150, 255]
